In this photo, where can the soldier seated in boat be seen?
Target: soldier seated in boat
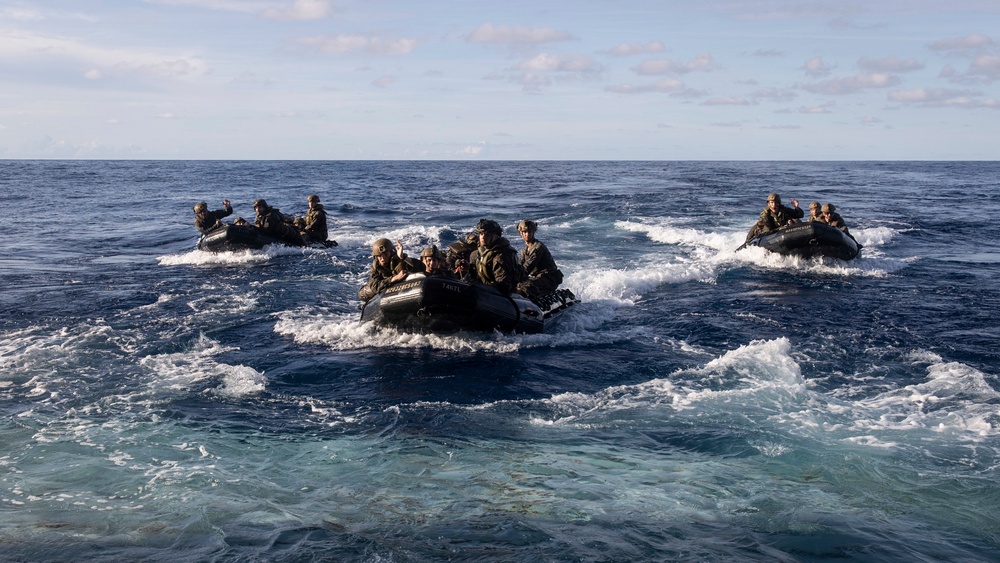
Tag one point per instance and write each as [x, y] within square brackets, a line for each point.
[206, 220]
[775, 216]
[273, 223]
[434, 263]
[389, 265]
[313, 226]
[830, 216]
[459, 255]
[542, 274]
[495, 261]
[814, 212]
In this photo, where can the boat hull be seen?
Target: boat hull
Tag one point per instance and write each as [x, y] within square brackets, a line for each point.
[807, 240]
[237, 237]
[444, 305]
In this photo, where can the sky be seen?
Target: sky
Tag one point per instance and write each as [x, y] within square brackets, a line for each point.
[500, 80]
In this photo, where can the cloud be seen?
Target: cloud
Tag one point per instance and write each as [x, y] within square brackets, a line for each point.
[727, 101]
[360, 43]
[559, 63]
[815, 110]
[974, 41]
[383, 81]
[300, 10]
[773, 94]
[854, 84]
[517, 36]
[768, 53]
[986, 66]
[665, 86]
[889, 64]
[101, 62]
[815, 67]
[656, 67]
[943, 97]
[626, 49]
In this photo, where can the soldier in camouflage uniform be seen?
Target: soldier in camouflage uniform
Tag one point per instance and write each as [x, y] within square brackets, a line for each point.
[388, 267]
[206, 220]
[272, 222]
[542, 274]
[775, 216]
[460, 254]
[434, 263]
[830, 216]
[314, 226]
[495, 261]
[814, 212]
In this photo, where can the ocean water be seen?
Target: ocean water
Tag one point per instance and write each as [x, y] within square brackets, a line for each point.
[160, 403]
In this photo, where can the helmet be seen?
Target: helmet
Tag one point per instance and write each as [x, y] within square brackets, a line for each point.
[313, 197]
[381, 246]
[472, 238]
[200, 206]
[430, 251]
[814, 205]
[774, 197]
[828, 208]
[260, 202]
[489, 226]
[527, 225]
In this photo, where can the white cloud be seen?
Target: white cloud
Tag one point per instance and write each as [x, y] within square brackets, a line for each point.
[943, 97]
[350, 43]
[383, 81]
[727, 101]
[655, 67]
[987, 66]
[559, 63]
[974, 41]
[666, 86]
[626, 49]
[889, 64]
[815, 67]
[516, 36]
[102, 62]
[300, 10]
[854, 84]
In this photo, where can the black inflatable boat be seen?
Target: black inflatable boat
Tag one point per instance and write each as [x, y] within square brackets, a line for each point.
[444, 305]
[242, 237]
[807, 240]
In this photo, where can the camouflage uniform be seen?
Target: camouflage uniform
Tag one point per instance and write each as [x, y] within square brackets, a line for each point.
[496, 265]
[835, 220]
[206, 221]
[378, 277]
[543, 276]
[273, 223]
[774, 220]
[315, 225]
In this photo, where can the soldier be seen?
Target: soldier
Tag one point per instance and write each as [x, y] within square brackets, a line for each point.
[460, 254]
[314, 226]
[388, 267]
[814, 212]
[542, 274]
[206, 220]
[775, 216]
[495, 261]
[434, 263]
[831, 217]
[273, 223]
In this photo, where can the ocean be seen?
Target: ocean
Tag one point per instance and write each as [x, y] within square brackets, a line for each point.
[161, 403]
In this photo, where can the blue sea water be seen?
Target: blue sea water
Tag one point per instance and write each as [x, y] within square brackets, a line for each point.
[166, 404]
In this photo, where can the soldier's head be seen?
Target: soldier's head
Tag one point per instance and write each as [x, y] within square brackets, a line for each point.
[430, 257]
[526, 228]
[814, 208]
[488, 230]
[382, 250]
[828, 208]
[259, 205]
[312, 200]
[773, 200]
[200, 207]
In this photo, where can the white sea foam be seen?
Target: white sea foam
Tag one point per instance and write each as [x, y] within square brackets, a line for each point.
[180, 371]
[203, 258]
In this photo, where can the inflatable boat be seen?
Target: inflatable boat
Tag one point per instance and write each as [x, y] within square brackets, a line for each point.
[242, 237]
[443, 305]
[807, 240]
